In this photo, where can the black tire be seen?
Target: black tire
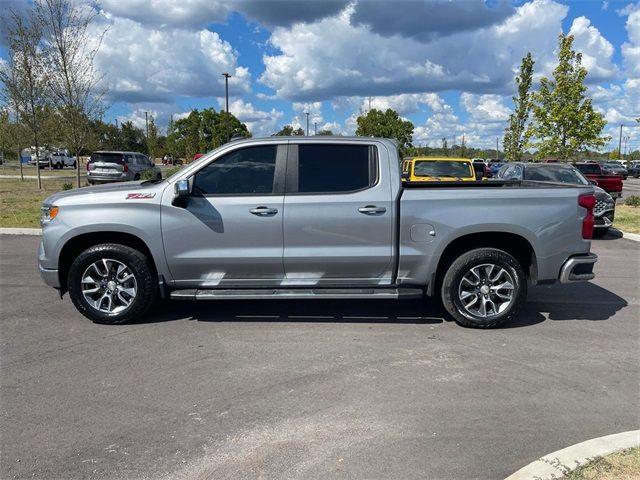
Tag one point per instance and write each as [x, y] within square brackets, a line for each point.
[140, 266]
[136, 176]
[73, 165]
[462, 266]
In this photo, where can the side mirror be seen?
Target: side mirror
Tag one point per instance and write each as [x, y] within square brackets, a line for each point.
[593, 182]
[182, 188]
[182, 192]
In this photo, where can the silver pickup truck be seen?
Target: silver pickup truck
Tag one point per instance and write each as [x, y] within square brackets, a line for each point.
[313, 217]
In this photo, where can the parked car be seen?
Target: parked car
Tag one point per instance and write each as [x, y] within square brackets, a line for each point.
[494, 167]
[610, 183]
[312, 217]
[60, 159]
[615, 168]
[604, 210]
[634, 169]
[113, 166]
[425, 169]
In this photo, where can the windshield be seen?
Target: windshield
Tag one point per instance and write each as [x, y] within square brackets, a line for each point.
[560, 175]
[442, 168]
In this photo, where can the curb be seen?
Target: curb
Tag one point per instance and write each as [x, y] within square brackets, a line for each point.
[553, 465]
[631, 236]
[21, 231]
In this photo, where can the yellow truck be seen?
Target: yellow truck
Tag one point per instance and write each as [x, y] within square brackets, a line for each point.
[426, 169]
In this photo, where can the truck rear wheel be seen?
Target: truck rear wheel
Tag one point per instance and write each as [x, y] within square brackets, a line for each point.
[112, 283]
[484, 288]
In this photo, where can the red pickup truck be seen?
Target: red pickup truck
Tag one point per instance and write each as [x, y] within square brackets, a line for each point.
[612, 184]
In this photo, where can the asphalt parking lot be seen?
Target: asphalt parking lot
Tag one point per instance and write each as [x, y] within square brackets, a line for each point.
[312, 389]
[630, 186]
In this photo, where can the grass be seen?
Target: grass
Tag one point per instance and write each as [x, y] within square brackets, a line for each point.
[627, 218]
[622, 465]
[20, 201]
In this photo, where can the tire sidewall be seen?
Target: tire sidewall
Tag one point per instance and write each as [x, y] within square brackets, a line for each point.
[474, 258]
[134, 260]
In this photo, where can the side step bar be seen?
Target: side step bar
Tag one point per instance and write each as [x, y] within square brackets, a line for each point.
[332, 293]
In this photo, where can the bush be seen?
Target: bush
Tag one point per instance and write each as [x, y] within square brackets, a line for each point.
[171, 171]
[148, 175]
[632, 201]
[67, 186]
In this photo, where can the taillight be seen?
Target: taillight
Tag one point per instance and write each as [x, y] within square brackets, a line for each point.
[587, 201]
[125, 167]
[89, 166]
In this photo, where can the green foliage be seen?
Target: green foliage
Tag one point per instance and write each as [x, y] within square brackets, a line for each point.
[148, 174]
[515, 135]
[288, 131]
[67, 186]
[201, 132]
[565, 122]
[615, 155]
[388, 124]
[132, 138]
[153, 141]
[325, 133]
[632, 201]
[171, 171]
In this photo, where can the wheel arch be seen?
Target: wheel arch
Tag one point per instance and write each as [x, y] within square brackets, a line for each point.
[515, 245]
[78, 244]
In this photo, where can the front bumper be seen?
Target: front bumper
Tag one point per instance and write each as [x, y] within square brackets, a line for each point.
[578, 268]
[50, 277]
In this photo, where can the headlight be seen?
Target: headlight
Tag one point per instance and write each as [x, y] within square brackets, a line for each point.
[48, 213]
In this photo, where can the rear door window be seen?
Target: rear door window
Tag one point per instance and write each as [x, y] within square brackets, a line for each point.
[336, 168]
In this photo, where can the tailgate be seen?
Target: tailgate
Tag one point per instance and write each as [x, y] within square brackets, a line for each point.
[107, 164]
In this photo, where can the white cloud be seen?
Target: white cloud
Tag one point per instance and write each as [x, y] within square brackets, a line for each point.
[597, 51]
[193, 14]
[631, 48]
[142, 64]
[259, 122]
[485, 108]
[360, 62]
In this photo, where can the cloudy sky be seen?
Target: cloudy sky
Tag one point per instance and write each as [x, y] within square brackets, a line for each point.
[446, 65]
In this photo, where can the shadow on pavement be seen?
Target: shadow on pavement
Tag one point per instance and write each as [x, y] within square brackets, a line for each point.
[612, 234]
[581, 301]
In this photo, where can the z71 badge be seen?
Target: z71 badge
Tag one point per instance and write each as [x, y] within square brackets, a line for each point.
[138, 196]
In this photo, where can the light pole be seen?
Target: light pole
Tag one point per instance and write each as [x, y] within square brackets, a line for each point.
[226, 97]
[315, 128]
[307, 114]
[620, 142]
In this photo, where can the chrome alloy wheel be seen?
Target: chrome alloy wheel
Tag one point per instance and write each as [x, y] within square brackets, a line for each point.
[109, 286]
[486, 290]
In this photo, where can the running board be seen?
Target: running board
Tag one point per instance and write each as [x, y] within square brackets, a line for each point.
[266, 293]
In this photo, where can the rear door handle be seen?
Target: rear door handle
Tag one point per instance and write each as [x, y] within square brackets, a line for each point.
[372, 210]
[264, 211]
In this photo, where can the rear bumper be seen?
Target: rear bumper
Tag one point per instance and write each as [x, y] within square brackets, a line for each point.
[106, 179]
[578, 268]
[605, 220]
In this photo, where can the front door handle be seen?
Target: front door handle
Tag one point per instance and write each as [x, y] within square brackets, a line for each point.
[372, 210]
[264, 211]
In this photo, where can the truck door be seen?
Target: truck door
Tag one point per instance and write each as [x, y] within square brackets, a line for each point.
[339, 215]
[230, 231]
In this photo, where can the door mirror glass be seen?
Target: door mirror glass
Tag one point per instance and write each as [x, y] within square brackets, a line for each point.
[182, 188]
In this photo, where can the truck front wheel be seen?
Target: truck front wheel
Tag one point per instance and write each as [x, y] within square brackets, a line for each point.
[484, 288]
[112, 283]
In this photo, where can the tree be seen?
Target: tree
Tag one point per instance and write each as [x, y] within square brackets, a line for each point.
[132, 138]
[288, 131]
[565, 122]
[23, 77]
[152, 141]
[69, 51]
[325, 133]
[388, 124]
[516, 133]
[445, 147]
[202, 131]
